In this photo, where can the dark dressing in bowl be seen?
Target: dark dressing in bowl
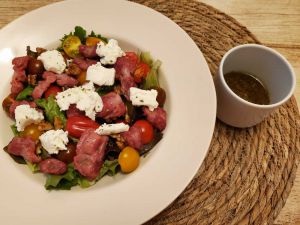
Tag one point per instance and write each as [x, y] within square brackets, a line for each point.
[247, 87]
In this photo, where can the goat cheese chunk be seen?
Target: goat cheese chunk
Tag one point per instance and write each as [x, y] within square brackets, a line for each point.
[107, 129]
[100, 75]
[141, 97]
[25, 115]
[109, 52]
[53, 61]
[85, 97]
[54, 140]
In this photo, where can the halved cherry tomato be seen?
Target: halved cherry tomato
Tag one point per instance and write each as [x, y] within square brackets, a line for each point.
[35, 66]
[161, 96]
[147, 130]
[71, 46]
[132, 56]
[76, 125]
[31, 131]
[141, 72]
[52, 90]
[67, 155]
[91, 41]
[129, 159]
[82, 77]
[7, 102]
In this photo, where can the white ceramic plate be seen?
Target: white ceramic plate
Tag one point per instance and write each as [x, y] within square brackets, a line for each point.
[166, 171]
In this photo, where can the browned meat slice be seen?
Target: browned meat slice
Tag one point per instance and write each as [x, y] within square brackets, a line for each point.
[84, 63]
[113, 106]
[49, 78]
[90, 142]
[52, 166]
[20, 63]
[25, 147]
[66, 80]
[133, 137]
[17, 81]
[89, 165]
[88, 51]
[157, 117]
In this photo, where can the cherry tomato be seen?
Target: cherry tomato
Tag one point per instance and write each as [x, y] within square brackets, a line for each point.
[141, 71]
[129, 159]
[35, 66]
[147, 130]
[31, 131]
[67, 155]
[161, 96]
[133, 57]
[91, 41]
[71, 46]
[82, 77]
[7, 102]
[76, 125]
[52, 90]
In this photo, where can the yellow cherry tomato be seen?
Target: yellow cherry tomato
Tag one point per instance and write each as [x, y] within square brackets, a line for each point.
[71, 46]
[129, 159]
[31, 131]
[91, 41]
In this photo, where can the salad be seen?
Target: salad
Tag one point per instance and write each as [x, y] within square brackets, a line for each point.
[84, 110]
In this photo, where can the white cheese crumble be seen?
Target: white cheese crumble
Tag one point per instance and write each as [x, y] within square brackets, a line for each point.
[53, 61]
[25, 115]
[100, 75]
[107, 129]
[109, 52]
[85, 98]
[54, 140]
[140, 97]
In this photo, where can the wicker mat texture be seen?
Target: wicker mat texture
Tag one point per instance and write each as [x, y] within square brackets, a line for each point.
[248, 173]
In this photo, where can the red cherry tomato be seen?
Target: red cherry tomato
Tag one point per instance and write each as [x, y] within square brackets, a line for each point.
[132, 56]
[76, 125]
[141, 71]
[147, 130]
[52, 90]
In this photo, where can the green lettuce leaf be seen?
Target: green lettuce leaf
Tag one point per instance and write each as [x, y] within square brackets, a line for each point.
[32, 166]
[151, 80]
[109, 167]
[146, 58]
[72, 177]
[14, 130]
[25, 94]
[62, 182]
[51, 108]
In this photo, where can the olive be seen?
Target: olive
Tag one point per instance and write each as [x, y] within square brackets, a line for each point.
[7, 102]
[35, 66]
[67, 155]
[161, 96]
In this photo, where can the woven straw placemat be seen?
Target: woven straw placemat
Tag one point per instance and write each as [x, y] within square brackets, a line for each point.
[247, 174]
